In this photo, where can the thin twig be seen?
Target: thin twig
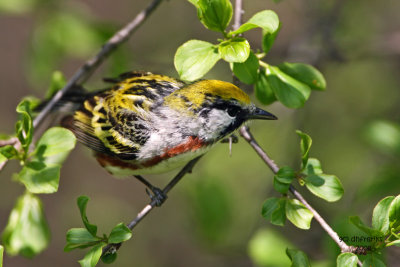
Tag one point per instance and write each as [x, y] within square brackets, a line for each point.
[112, 248]
[237, 20]
[245, 133]
[12, 141]
[85, 71]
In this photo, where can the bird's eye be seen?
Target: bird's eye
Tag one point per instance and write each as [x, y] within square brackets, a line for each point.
[233, 111]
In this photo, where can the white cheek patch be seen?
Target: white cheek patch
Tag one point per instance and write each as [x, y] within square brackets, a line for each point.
[217, 121]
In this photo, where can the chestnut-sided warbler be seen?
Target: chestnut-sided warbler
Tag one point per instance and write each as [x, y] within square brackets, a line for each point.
[149, 123]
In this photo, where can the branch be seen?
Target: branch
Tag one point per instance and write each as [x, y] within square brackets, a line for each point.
[112, 248]
[237, 21]
[85, 71]
[12, 141]
[245, 133]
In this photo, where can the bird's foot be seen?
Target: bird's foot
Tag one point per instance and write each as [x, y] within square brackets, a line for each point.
[156, 195]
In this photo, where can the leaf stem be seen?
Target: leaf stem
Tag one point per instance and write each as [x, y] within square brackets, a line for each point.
[263, 64]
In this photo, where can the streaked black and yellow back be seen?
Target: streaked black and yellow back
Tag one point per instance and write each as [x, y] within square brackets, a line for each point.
[115, 121]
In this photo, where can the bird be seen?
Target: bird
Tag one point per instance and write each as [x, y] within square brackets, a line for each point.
[149, 123]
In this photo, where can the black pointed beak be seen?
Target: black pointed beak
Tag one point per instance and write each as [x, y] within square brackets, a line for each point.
[260, 114]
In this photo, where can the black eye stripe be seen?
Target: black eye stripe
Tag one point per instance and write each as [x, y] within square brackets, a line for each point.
[232, 107]
[233, 110]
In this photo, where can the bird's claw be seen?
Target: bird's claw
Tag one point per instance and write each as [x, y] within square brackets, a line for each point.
[156, 195]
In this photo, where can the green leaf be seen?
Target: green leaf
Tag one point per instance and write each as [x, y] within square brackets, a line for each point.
[40, 178]
[109, 258]
[267, 20]
[285, 175]
[373, 261]
[394, 212]
[281, 187]
[313, 166]
[24, 127]
[120, 233]
[304, 73]
[54, 145]
[325, 186]
[346, 260]
[42, 174]
[1, 255]
[82, 202]
[33, 103]
[79, 238]
[380, 215]
[247, 72]
[92, 257]
[283, 178]
[360, 225]
[195, 58]
[273, 210]
[8, 152]
[57, 82]
[269, 39]
[263, 90]
[305, 145]
[298, 258]
[214, 14]
[298, 214]
[289, 91]
[27, 232]
[234, 50]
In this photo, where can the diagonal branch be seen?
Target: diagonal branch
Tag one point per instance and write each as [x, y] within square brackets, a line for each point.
[85, 71]
[112, 248]
[245, 133]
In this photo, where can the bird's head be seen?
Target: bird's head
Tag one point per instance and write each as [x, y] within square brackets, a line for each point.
[220, 106]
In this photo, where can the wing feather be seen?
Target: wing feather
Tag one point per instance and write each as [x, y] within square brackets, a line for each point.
[116, 121]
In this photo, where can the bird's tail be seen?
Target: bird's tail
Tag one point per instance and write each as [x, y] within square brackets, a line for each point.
[70, 101]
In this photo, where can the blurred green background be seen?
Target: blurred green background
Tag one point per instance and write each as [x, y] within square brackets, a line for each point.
[212, 218]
